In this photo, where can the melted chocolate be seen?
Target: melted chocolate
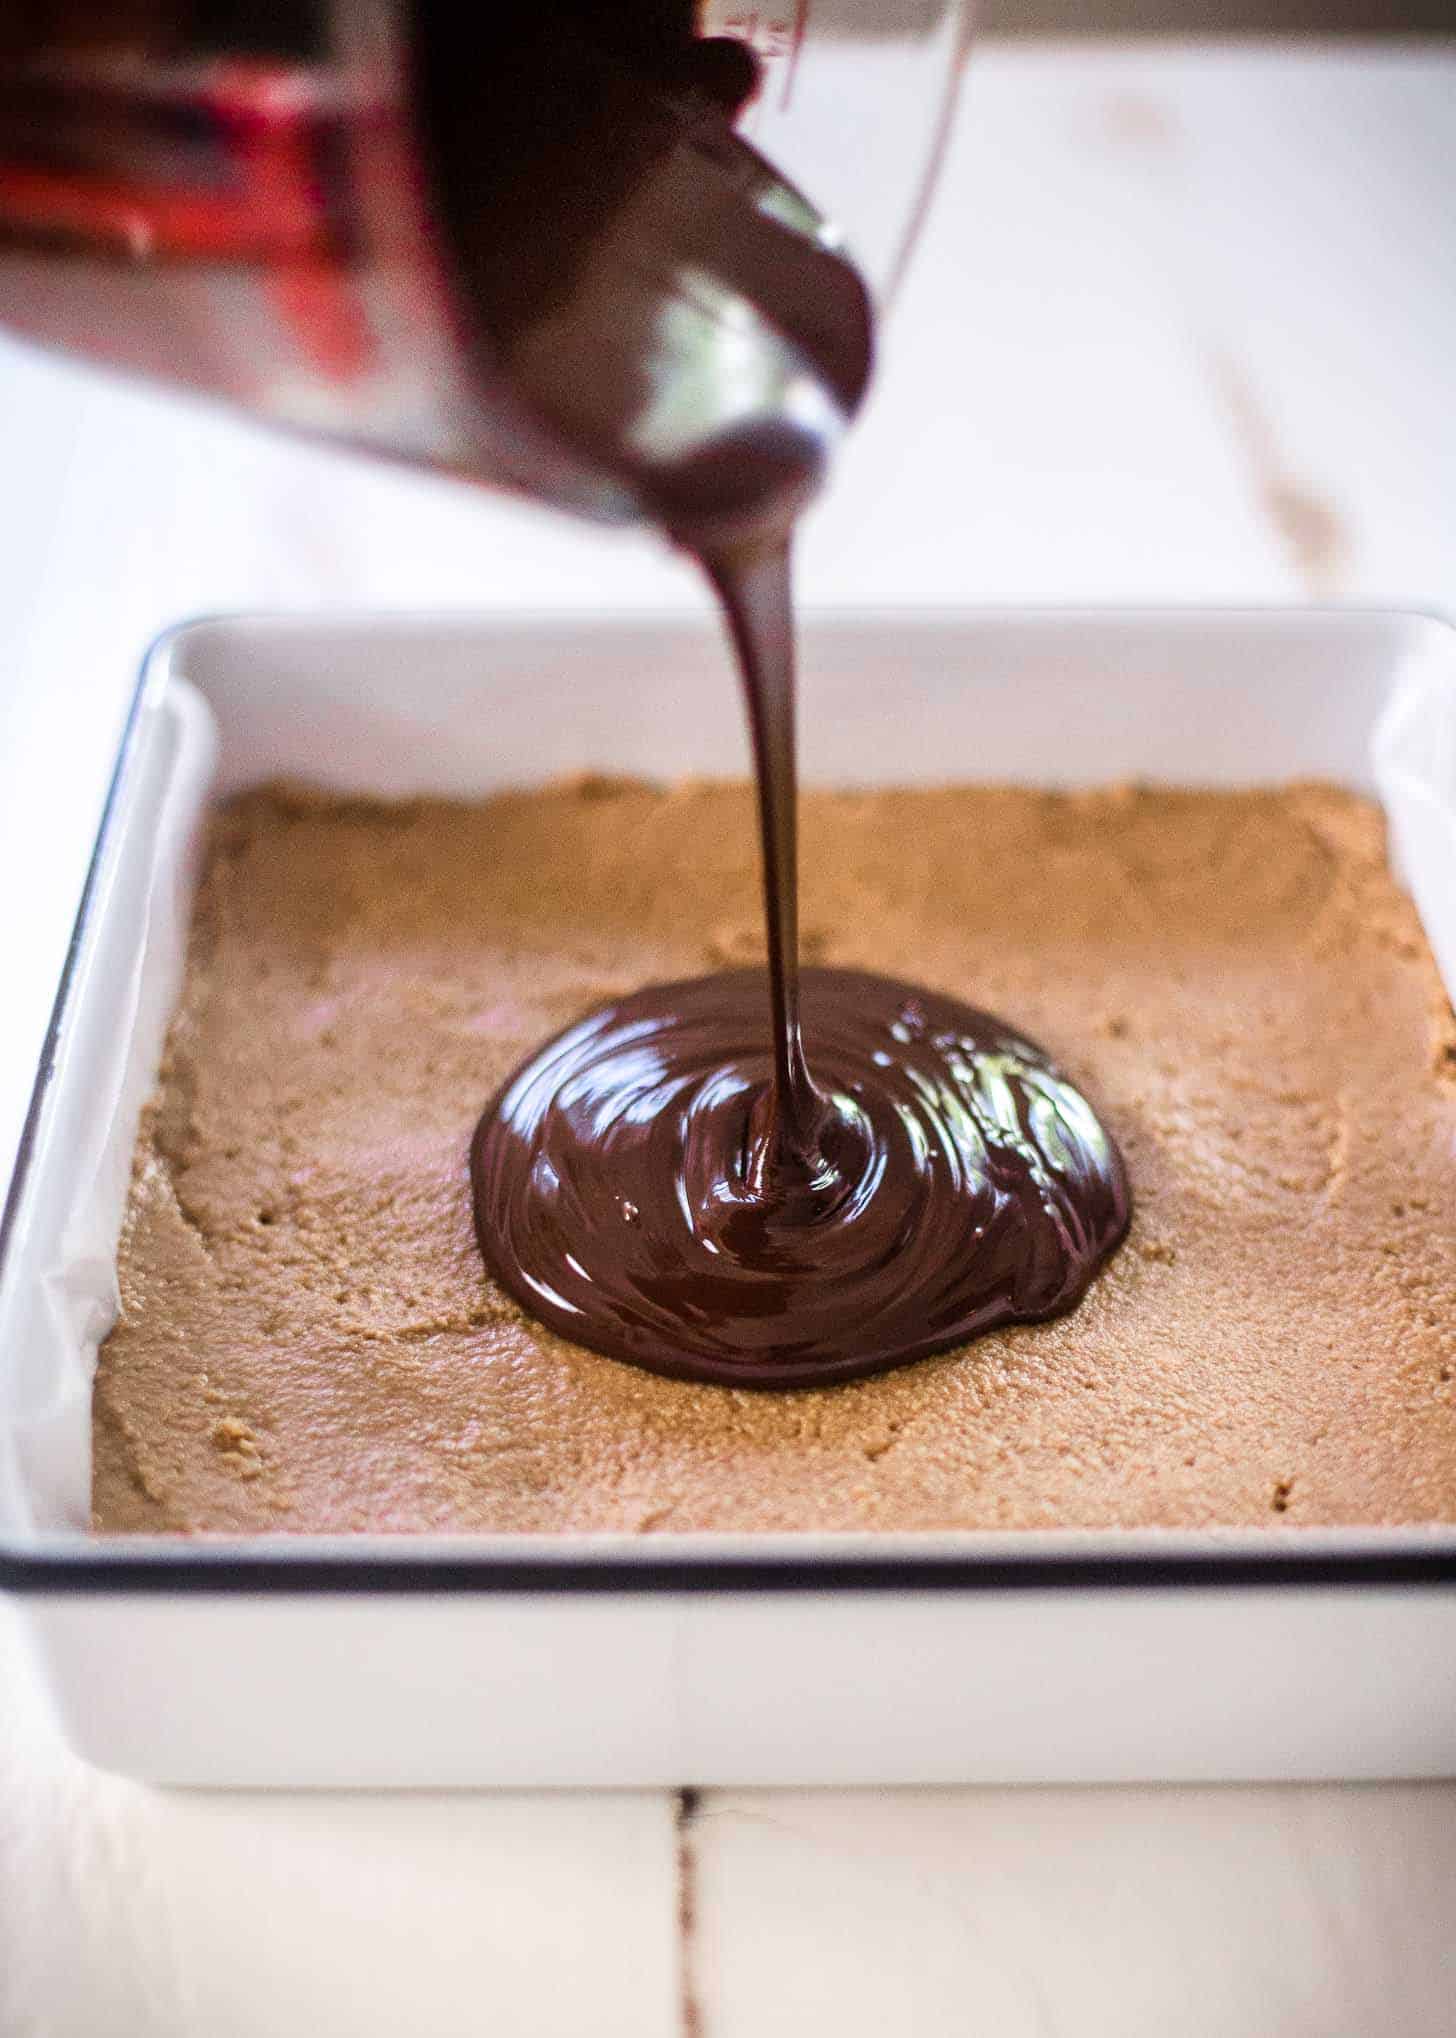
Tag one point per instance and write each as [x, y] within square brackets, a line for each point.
[662, 327]
[669, 1182]
[627, 1194]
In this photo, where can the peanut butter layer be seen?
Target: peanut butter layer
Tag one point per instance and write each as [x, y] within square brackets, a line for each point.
[308, 1340]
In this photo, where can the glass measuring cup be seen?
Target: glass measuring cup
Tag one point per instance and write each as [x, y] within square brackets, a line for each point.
[262, 209]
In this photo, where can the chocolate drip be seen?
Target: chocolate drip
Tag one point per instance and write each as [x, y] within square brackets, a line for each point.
[677, 1180]
[755, 591]
[668, 1183]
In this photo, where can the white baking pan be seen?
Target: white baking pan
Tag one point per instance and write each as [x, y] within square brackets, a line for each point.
[710, 1659]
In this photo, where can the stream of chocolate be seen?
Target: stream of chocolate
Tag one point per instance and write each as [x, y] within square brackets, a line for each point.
[671, 1181]
[675, 1180]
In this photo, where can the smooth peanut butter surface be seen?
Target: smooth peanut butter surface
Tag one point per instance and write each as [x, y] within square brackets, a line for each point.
[308, 1340]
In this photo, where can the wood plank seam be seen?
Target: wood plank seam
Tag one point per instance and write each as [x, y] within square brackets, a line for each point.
[690, 2008]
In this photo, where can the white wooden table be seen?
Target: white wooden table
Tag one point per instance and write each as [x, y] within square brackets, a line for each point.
[1181, 330]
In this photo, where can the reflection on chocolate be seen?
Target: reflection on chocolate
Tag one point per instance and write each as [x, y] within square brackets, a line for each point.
[625, 1194]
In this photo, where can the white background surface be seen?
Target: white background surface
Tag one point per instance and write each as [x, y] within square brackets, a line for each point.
[1181, 329]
